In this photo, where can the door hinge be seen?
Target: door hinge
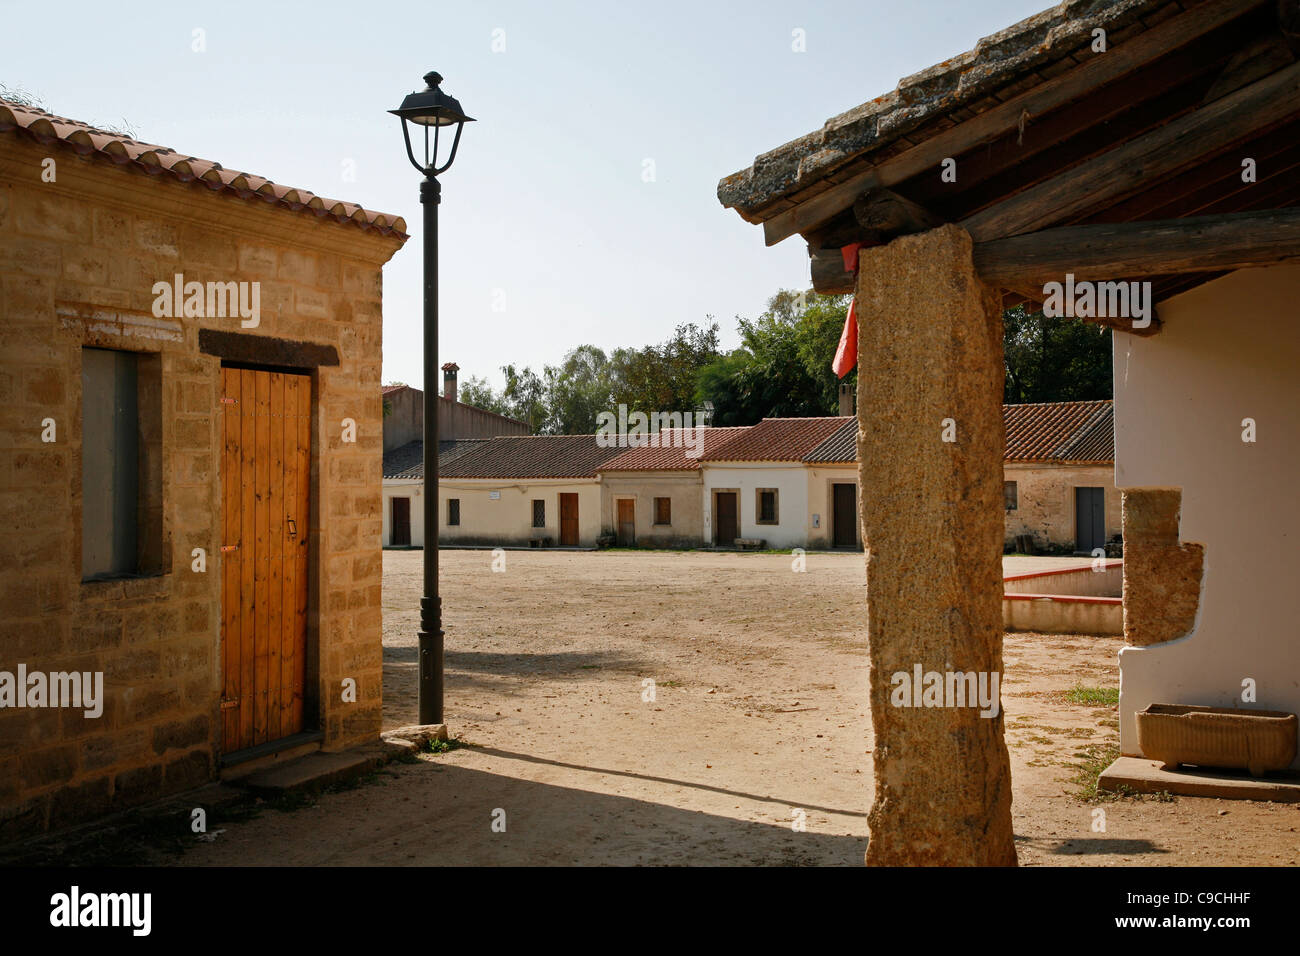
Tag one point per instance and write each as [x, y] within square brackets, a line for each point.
[229, 401]
[229, 703]
[229, 547]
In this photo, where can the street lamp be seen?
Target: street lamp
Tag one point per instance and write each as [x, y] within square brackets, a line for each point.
[431, 108]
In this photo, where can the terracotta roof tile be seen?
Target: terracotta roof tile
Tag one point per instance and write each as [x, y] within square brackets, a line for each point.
[158, 160]
[777, 439]
[1077, 432]
[407, 461]
[672, 449]
[842, 446]
[532, 456]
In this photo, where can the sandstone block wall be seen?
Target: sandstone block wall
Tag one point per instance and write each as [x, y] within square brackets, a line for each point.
[78, 260]
[1162, 577]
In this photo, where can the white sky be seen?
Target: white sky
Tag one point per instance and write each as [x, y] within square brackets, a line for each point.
[545, 210]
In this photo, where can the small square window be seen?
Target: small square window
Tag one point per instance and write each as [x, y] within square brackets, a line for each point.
[1009, 495]
[539, 513]
[453, 511]
[663, 511]
[766, 511]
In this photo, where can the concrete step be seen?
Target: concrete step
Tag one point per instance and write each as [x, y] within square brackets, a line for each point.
[1145, 776]
[316, 771]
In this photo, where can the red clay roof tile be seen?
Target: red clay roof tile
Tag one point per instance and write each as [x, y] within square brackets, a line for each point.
[47, 128]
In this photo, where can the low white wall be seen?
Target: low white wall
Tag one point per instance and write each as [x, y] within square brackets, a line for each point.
[1059, 614]
[1228, 350]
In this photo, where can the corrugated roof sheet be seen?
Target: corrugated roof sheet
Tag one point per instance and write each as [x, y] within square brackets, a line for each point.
[672, 451]
[1077, 432]
[407, 461]
[777, 439]
[531, 456]
[840, 447]
[46, 128]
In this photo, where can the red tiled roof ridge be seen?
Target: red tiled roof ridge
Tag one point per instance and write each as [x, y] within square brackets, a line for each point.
[123, 150]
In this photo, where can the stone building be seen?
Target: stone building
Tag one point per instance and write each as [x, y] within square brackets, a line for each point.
[190, 496]
[1140, 155]
[460, 428]
[1058, 476]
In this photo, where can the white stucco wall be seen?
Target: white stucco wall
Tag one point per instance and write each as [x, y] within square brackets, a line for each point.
[1229, 350]
[404, 488]
[790, 480]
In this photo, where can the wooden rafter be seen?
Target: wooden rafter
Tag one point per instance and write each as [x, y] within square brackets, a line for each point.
[984, 127]
[1124, 170]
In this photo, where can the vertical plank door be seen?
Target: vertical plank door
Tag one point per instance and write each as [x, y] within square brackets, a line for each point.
[265, 476]
[626, 522]
[569, 519]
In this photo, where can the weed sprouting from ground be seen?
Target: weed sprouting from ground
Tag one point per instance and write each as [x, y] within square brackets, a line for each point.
[1095, 758]
[1093, 696]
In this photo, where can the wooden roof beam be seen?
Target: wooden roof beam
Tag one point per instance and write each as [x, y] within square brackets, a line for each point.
[1129, 167]
[1119, 60]
[1105, 251]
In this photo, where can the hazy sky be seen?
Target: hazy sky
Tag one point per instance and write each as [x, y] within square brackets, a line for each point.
[550, 235]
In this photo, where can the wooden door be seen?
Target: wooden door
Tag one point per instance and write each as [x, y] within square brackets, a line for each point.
[626, 522]
[401, 521]
[725, 514]
[569, 519]
[265, 480]
[1089, 519]
[844, 508]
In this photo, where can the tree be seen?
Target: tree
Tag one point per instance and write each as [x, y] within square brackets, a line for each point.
[578, 390]
[783, 367]
[525, 397]
[1054, 360]
[480, 394]
[663, 378]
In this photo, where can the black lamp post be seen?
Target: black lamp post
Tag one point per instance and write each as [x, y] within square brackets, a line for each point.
[431, 108]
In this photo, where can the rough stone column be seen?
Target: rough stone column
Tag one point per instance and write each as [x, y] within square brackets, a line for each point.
[930, 349]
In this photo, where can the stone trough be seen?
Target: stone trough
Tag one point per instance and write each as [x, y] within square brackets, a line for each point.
[1258, 741]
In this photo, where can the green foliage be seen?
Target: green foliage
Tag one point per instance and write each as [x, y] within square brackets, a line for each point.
[1054, 360]
[782, 368]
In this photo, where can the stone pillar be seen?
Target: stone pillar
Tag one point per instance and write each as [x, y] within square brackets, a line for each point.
[930, 441]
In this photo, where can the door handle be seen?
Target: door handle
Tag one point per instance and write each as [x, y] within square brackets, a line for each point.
[293, 528]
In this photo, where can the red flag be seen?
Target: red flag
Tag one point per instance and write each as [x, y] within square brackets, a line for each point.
[846, 356]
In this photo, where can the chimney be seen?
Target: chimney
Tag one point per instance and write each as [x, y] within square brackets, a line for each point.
[449, 380]
[848, 399]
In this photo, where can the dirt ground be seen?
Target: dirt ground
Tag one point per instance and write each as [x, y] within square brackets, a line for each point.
[759, 719]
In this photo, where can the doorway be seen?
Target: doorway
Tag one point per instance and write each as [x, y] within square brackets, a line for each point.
[844, 515]
[569, 519]
[726, 530]
[1089, 519]
[265, 508]
[626, 529]
[401, 518]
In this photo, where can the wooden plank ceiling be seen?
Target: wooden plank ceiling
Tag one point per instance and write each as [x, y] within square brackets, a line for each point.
[1158, 132]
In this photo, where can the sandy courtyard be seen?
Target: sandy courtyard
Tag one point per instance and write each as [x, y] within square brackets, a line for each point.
[759, 722]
